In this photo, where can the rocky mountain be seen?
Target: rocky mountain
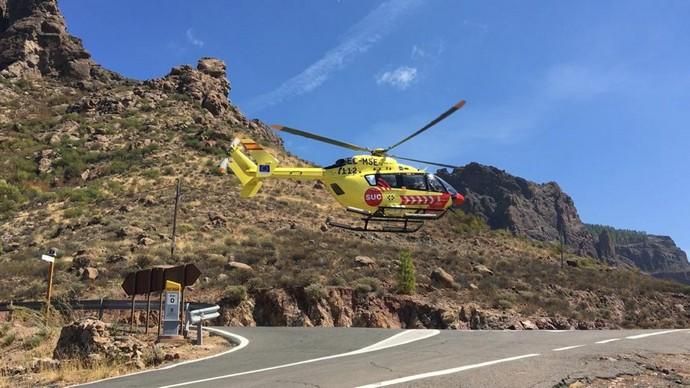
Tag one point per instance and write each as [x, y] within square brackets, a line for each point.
[89, 163]
[539, 211]
[34, 42]
[651, 253]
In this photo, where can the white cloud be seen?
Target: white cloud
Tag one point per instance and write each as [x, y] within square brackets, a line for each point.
[418, 52]
[358, 40]
[400, 78]
[193, 39]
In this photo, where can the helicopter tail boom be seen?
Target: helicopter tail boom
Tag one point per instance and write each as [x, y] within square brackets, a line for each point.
[251, 173]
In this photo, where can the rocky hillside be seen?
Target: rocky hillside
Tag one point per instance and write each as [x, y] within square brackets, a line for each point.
[541, 212]
[651, 253]
[89, 166]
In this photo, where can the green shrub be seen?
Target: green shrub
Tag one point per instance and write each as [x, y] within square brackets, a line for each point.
[366, 285]
[235, 294]
[10, 197]
[467, 224]
[406, 276]
[315, 292]
[75, 212]
[7, 340]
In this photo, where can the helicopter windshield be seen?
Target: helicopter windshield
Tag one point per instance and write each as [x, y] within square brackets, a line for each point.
[448, 187]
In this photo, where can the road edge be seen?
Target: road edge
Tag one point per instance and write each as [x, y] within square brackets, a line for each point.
[239, 342]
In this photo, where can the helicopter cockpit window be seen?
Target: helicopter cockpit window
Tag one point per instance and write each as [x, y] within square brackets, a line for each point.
[434, 184]
[414, 182]
[448, 186]
[390, 180]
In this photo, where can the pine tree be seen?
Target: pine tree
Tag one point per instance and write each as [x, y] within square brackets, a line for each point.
[406, 277]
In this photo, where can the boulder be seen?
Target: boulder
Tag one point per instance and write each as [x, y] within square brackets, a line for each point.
[482, 269]
[91, 340]
[365, 261]
[131, 232]
[238, 266]
[529, 325]
[89, 273]
[442, 278]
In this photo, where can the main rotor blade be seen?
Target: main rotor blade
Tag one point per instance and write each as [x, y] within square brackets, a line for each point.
[435, 121]
[424, 161]
[319, 138]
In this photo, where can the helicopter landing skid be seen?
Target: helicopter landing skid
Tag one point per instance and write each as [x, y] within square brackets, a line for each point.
[406, 223]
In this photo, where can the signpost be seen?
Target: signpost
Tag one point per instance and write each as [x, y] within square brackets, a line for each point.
[51, 259]
[158, 279]
[171, 317]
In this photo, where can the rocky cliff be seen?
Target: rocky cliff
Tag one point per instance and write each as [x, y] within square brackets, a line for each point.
[654, 254]
[34, 42]
[538, 211]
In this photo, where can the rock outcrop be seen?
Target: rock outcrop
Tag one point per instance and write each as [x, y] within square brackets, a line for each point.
[537, 211]
[605, 246]
[34, 42]
[207, 84]
[344, 307]
[654, 254]
[91, 340]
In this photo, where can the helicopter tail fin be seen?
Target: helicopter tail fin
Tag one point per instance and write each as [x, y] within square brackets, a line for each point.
[248, 172]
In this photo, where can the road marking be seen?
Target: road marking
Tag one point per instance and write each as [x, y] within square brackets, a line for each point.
[567, 348]
[608, 340]
[401, 338]
[654, 333]
[240, 342]
[445, 371]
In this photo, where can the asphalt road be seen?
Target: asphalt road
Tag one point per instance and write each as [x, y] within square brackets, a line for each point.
[352, 357]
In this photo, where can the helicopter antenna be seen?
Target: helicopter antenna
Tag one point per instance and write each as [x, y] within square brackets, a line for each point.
[433, 122]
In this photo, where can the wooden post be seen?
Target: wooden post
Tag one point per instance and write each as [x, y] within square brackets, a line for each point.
[174, 230]
[160, 313]
[50, 289]
[131, 316]
[148, 311]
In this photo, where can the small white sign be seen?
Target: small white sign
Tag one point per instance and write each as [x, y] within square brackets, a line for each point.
[47, 258]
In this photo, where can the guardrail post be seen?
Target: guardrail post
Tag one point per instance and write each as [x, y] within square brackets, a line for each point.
[198, 332]
[148, 310]
[100, 310]
[131, 316]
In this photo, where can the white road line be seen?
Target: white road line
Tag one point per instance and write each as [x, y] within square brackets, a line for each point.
[401, 338]
[240, 342]
[567, 348]
[654, 333]
[608, 340]
[445, 371]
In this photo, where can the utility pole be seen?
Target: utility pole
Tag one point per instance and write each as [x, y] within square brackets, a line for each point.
[562, 249]
[172, 246]
[174, 226]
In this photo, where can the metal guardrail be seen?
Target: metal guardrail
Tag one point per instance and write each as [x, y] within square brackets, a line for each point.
[92, 304]
[198, 316]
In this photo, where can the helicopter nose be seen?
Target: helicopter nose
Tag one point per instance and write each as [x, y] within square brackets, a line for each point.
[458, 199]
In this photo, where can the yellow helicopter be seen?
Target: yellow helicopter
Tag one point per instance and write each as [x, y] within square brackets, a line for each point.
[394, 196]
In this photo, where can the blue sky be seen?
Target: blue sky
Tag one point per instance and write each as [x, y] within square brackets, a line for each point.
[593, 95]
